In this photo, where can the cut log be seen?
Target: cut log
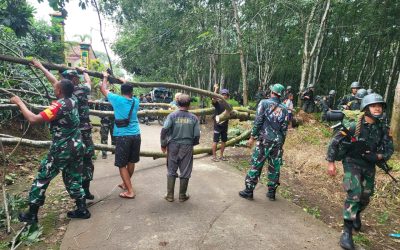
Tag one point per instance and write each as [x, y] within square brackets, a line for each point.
[11, 140]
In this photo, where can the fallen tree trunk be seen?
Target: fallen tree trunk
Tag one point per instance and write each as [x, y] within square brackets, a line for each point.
[11, 140]
[112, 79]
[243, 116]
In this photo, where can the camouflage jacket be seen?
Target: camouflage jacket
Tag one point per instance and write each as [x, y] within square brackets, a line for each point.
[81, 92]
[64, 120]
[354, 105]
[104, 105]
[376, 138]
[345, 100]
[271, 121]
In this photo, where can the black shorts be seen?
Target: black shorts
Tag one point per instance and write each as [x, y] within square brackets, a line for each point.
[127, 149]
[220, 133]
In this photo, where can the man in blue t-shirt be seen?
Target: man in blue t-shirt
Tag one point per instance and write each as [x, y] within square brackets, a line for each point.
[127, 138]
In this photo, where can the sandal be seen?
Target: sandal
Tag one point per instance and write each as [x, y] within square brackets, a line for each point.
[124, 195]
[222, 158]
[215, 159]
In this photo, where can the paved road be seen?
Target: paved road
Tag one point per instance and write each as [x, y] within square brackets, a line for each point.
[215, 217]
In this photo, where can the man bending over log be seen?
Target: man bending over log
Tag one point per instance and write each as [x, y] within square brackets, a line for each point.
[65, 153]
[81, 92]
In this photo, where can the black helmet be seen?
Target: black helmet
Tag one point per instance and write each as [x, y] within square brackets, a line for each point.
[355, 85]
[332, 92]
[361, 93]
[372, 99]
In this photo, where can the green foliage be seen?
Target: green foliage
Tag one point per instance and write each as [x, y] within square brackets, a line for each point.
[17, 15]
[15, 204]
[233, 103]
[361, 239]
[383, 217]
[31, 234]
[314, 211]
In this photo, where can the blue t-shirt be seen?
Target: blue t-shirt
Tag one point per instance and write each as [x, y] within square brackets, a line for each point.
[121, 106]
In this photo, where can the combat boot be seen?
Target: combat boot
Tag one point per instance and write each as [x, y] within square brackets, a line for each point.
[346, 240]
[30, 217]
[246, 193]
[183, 184]
[81, 210]
[85, 186]
[357, 222]
[271, 193]
[170, 188]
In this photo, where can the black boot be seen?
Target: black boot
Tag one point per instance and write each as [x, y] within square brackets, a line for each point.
[183, 184]
[246, 193]
[346, 240]
[81, 211]
[271, 193]
[30, 217]
[85, 186]
[357, 222]
[170, 188]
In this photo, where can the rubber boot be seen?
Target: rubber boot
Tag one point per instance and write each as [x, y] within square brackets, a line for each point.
[357, 222]
[170, 188]
[346, 240]
[85, 186]
[246, 193]
[271, 193]
[30, 217]
[81, 210]
[183, 184]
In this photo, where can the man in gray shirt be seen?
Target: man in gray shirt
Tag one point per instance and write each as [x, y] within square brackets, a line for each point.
[180, 133]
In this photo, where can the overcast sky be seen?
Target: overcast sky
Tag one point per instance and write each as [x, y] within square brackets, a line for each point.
[80, 22]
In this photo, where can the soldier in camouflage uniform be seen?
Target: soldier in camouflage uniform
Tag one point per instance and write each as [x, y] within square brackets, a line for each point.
[81, 92]
[308, 99]
[65, 152]
[356, 104]
[107, 124]
[350, 97]
[365, 143]
[270, 127]
[327, 103]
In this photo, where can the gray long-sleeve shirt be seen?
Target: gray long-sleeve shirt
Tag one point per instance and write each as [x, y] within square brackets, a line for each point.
[180, 127]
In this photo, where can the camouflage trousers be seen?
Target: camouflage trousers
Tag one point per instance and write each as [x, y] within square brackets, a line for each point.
[88, 167]
[265, 151]
[65, 157]
[106, 129]
[359, 183]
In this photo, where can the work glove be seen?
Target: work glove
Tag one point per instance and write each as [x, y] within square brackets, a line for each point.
[371, 157]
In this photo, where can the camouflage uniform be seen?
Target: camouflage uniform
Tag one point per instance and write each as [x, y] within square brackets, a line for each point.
[359, 173]
[81, 92]
[354, 105]
[65, 153]
[107, 124]
[270, 128]
[345, 100]
[308, 104]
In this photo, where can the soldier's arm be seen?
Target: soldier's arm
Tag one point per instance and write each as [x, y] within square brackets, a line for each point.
[31, 117]
[104, 85]
[258, 122]
[86, 77]
[52, 79]
[333, 147]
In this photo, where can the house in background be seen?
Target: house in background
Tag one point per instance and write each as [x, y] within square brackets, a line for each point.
[73, 54]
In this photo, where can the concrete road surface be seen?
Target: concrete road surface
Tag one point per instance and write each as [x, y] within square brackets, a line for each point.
[215, 217]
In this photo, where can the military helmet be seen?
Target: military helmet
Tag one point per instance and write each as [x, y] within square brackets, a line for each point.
[355, 85]
[361, 93]
[332, 92]
[371, 99]
[277, 89]
[69, 72]
[370, 91]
